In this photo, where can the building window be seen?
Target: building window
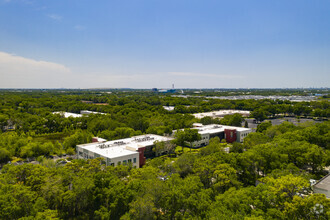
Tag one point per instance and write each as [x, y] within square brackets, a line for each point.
[119, 163]
[80, 153]
[112, 164]
[129, 160]
[134, 160]
[124, 162]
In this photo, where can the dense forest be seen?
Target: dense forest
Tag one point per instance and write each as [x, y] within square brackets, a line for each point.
[266, 177]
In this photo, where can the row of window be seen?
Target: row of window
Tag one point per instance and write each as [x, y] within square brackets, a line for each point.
[244, 134]
[85, 155]
[125, 162]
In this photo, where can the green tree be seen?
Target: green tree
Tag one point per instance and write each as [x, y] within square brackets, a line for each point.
[224, 178]
[185, 163]
[164, 147]
[315, 206]
[186, 136]
[192, 135]
[255, 138]
[232, 120]
[142, 208]
[233, 204]
[246, 124]
[259, 114]
[79, 137]
[3, 121]
[264, 126]
[4, 155]
[47, 215]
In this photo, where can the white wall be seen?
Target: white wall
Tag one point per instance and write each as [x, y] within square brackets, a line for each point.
[85, 154]
[241, 135]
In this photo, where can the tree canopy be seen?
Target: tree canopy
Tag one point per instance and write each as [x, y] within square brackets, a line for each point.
[265, 177]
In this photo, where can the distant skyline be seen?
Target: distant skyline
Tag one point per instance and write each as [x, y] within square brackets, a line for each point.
[153, 43]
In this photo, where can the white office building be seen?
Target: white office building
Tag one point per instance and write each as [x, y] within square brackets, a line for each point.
[229, 133]
[86, 112]
[221, 113]
[113, 154]
[68, 114]
[132, 150]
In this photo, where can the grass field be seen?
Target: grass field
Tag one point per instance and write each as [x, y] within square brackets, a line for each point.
[178, 150]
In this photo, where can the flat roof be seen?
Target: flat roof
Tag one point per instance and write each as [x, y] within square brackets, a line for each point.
[68, 114]
[323, 183]
[215, 128]
[168, 108]
[90, 112]
[108, 152]
[118, 148]
[220, 113]
[146, 140]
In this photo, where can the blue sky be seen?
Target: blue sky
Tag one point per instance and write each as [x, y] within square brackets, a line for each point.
[154, 43]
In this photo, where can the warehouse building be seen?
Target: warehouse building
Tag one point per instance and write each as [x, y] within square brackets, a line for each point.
[132, 150]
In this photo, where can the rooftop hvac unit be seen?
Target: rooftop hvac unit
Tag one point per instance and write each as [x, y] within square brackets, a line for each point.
[102, 146]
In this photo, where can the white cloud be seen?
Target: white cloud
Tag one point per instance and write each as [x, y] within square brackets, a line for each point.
[21, 72]
[79, 27]
[55, 17]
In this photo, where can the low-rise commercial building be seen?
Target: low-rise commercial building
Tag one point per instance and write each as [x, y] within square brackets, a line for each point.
[75, 115]
[169, 108]
[68, 114]
[132, 150]
[113, 154]
[229, 133]
[221, 113]
[86, 112]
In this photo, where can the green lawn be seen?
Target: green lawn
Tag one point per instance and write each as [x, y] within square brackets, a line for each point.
[178, 150]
